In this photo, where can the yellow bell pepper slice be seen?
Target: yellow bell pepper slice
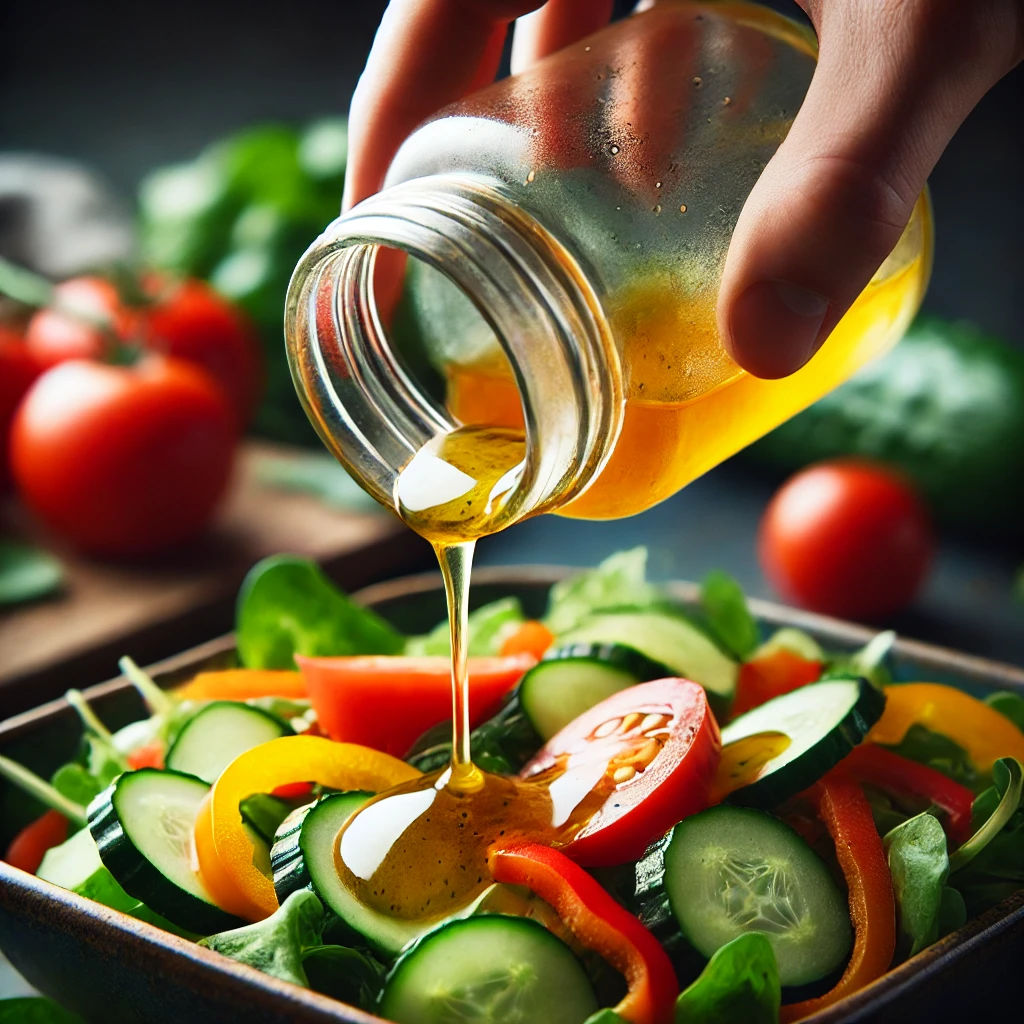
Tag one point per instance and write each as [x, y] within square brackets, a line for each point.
[225, 852]
[983, 733]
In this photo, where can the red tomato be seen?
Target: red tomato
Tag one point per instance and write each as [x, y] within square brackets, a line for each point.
[847, 538]
[29, 846]
[192, 322]
[151, 755]
[771, 675]
[629, 768]
[388, 702]
[123, 460]
[18, 369]
[55, 334]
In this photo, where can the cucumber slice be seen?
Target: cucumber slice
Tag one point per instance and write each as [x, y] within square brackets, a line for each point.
[824, 722]
[573, 679]
[490, 967]
[217, 734]
[732, 870]
[671, 640]
[142, 824]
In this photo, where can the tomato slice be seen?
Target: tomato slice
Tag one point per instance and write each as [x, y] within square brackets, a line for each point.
[387, 702]
[627, 770]
[771, 675]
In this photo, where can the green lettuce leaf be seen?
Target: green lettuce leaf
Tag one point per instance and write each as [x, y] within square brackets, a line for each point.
[287, 606]
[620, 581]
[489, 627]
[989, 867]
[919, 865]
[938, 752]
[739, 983]
[31, 1010]
[727, 614]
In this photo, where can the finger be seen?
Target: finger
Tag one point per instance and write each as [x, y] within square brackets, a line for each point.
[893, 83]
[557, 24]
[426, 54]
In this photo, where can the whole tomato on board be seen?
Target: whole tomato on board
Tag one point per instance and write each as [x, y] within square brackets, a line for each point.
[18, 369]
[847, 538]
[124, 460]
[90, 319]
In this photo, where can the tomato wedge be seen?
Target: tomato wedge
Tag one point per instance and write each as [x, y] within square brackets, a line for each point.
[628, 769]
[771, 675]
[387, 702]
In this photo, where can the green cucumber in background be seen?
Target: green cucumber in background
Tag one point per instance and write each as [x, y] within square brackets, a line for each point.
[946, 406]
[240, 215]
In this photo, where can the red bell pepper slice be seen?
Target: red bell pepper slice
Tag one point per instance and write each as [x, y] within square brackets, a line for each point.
[771, 675]
[599, 923]
[846, 813]
[387, 702]
[29, 846]
[886, 770]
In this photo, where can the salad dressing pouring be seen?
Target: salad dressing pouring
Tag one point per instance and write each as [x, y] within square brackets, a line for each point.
[564, 234]
[419, 851]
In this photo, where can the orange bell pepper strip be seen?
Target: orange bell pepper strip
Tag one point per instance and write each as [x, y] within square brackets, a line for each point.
[532, 637]
[243, 684]
[223, 849]
[846, 813]
[983, 733]
[599, 923]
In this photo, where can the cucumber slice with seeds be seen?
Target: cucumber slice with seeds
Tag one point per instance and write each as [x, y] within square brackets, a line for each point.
[142, 825]
[488, 968]
[217, 734]
[573, 679]
[732, 870]
[823, 722]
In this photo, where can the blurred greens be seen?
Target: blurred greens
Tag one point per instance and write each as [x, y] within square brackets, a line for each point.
[240, 215]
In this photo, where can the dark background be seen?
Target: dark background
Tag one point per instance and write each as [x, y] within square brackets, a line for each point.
[126, 86]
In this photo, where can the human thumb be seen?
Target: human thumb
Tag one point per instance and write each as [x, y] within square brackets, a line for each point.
[893, 83]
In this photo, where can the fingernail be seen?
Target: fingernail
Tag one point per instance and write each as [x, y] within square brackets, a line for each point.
[774, 328]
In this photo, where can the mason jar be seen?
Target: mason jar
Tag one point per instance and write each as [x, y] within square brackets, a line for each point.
[565, 232]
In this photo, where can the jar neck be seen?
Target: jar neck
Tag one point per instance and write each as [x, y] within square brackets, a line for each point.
[531, 291]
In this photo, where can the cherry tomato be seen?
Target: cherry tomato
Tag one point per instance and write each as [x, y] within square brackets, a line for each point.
[346, 693]
[123, 460]
[191, 321]
[18, 369]
[847, 538]
[85, 321]
[628, 769]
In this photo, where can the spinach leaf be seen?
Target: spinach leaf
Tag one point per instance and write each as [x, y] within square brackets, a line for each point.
[32, 1010]
[349, 975]
[740, 983]
[989, 867]
[489, 626]
[727, 614]
[27, 573]
[288, 945]
[317, 474]
[263, 813]
[952, 911]
[620, 581]
[77, 783]
[938, 752]
[278, 944]
[919, 865]
[287, 606]
[1011, 705]
[605, 1016]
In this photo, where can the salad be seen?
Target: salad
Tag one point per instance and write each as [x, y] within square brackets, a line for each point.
[743, 827]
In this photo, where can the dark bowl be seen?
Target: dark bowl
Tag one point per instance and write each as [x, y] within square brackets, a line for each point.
[111, 968]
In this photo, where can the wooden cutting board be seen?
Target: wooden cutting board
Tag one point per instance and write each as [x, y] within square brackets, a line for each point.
[153, 610]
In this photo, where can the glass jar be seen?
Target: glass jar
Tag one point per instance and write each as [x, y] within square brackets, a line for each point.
[568, 228]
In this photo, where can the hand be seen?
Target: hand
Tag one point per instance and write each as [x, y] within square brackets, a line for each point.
[894, 81]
